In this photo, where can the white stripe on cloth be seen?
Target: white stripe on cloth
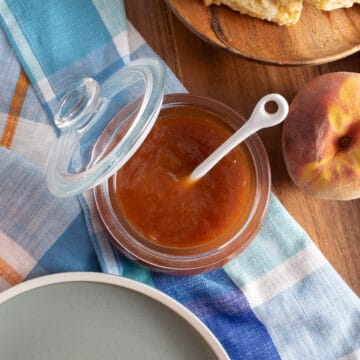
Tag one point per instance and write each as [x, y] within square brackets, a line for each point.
[46, 89]
[135, 39]
[31, 61]
[284, 276]
[107, 253]
[33, 141]
[3, 120]
[353, 356]
[114, 25]
[15, 256]
[4, 285]
[119, 40]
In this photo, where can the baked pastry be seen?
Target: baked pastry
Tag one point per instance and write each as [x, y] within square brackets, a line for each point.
[332, 4]
[283, 12]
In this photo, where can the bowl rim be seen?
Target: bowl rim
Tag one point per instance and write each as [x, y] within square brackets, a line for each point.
[115, 280]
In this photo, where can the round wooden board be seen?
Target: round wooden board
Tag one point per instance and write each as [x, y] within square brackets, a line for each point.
[318, 37]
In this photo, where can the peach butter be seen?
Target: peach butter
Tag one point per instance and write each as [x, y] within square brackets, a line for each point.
[157, 199]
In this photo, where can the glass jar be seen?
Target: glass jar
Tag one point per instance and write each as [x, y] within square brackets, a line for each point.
[199, 258]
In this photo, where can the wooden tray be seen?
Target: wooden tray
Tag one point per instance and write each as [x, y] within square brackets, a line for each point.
[318, 37]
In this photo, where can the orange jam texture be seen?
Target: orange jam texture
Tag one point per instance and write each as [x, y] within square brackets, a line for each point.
[154, 194]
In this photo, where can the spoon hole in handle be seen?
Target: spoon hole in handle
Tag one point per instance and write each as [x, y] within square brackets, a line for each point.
[261, 118]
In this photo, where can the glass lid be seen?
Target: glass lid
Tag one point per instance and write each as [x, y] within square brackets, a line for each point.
[103, 125]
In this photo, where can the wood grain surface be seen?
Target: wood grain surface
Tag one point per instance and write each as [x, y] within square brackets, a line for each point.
[318, 36]
[211, 71]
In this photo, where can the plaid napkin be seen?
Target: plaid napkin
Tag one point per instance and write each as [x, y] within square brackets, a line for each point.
[280, 298]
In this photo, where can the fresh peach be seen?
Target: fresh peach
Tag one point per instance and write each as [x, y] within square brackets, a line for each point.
[321, 137]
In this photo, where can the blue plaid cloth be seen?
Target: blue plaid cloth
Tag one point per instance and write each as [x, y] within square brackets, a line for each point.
[279, 299]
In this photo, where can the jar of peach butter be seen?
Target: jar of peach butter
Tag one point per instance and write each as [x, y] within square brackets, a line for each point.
[136, 149]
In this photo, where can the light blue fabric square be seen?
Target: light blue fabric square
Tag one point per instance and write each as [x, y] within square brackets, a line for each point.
[272, 246]
[318, 318]
[63, 26]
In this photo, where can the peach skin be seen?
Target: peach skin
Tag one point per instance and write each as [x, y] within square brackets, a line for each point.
[321, 137]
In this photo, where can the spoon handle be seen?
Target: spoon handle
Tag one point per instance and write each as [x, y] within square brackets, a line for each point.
[259, 119]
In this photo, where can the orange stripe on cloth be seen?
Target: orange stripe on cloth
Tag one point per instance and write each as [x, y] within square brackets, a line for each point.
[8, 273]
[15, 110]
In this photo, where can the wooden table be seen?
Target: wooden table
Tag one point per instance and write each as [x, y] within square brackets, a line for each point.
[208, 71]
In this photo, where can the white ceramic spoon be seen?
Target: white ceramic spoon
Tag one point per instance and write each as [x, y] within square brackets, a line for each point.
[259, 119]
